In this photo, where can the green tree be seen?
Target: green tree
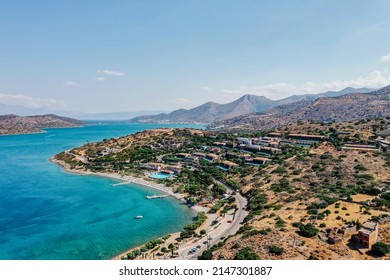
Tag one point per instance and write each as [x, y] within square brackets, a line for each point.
[308, 230]
[246, 254]
[206, 255]
[380, 249]
[171, 247]
[273, 249]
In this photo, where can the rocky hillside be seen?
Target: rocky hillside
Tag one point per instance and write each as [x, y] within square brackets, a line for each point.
[353, 106]
[13, 124]
[247, 104]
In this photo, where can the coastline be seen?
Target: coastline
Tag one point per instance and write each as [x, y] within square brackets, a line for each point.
[138, 181]
[41, 130]
[124, 178]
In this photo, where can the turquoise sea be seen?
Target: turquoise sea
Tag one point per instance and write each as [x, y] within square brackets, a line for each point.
[47, 213]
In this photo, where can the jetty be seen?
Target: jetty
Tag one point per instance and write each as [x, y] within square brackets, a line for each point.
[119, 184]
[155, 196]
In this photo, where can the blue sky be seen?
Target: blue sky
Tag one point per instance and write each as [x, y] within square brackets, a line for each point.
[105, 56]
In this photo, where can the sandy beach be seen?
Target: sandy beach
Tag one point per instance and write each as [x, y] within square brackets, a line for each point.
[125, 178]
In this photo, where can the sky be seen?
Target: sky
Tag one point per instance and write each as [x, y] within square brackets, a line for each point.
[109, 56]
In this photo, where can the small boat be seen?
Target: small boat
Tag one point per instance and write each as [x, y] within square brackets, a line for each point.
[139, 217]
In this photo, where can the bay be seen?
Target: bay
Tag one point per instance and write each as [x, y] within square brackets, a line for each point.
[48, 213]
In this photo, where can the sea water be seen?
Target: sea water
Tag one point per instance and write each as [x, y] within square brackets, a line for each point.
[48, 213]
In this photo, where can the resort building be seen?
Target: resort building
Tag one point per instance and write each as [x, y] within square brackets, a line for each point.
[257, 161]
[175, 168]
[307, 137]
[286, 143]
[219, 144]
[263, 150]
[182, 155]
[246, 157]
[192, 132]
[199, 155]
[245, 141]
[229, 145]
[230, 155]
[384, 133]
[152, 166]
[167, 171]
[215, 150]
[211, 157]
[360, 147]
[368, 234]
[191, 159]
[227, 165]
[270, 151]
[275, 134]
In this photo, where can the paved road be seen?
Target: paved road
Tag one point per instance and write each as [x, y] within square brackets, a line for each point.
[219, 231]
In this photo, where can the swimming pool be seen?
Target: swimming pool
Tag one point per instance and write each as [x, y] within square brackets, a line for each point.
[159, 175]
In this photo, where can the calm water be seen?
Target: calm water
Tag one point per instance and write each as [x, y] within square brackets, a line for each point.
[47, 213]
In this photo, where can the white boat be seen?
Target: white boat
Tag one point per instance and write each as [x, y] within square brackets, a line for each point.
[139, 217]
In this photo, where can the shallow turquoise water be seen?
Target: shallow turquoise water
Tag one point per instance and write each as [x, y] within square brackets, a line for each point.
[47, 213]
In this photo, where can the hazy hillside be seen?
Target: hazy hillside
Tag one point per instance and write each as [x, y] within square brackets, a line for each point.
[353, 106]
[247, 104]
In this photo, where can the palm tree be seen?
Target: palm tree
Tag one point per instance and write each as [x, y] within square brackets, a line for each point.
[171, 247]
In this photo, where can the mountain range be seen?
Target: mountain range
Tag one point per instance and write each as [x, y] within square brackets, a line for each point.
[348, 107]
[13, 124]
[6, 109]
[247, 104]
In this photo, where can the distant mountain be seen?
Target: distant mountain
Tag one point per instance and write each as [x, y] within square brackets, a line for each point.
[311, 97]
[6, 109]
[247, 104]
[349, 107]
[113, 116]
[13, 124]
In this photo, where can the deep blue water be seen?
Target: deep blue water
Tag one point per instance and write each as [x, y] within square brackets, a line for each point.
[47, 213]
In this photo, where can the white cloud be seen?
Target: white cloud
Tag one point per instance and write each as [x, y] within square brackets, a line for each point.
[376, 79]
[111, 73]
[182, 100]
[71, 84]
[205, 88]
[385, 58]
[31, 102]
[101, 79]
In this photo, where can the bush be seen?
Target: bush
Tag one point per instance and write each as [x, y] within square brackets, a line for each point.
[280, 170]
[273, 249]
[308, 230]
[246, 254]
[296, 224]
[206, 255]
[380, 249]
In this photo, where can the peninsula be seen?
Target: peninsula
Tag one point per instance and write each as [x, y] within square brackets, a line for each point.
[311, 190]
[13, 124]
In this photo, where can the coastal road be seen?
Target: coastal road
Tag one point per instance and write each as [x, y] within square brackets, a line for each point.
[218, 232]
